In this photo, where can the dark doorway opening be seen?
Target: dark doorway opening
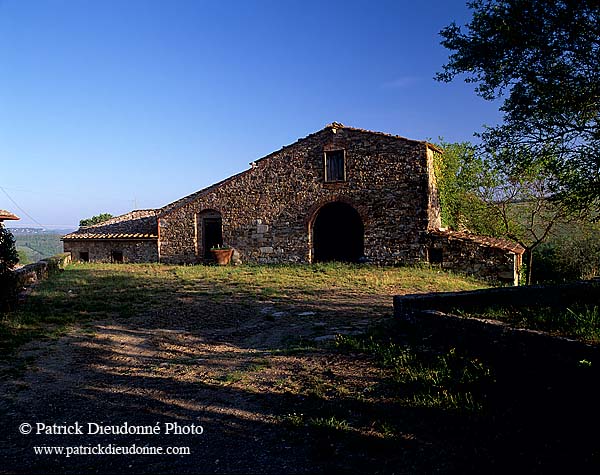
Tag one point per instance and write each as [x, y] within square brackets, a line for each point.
[338, 234]
[212, 232]
[84, 256]
[117, 257]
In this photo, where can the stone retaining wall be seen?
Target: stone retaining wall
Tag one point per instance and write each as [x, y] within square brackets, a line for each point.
[585, 292]
[428, 315]
[32, 273]
[17, 282]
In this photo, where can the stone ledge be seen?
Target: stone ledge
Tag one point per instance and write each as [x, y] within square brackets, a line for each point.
[499, 339]
[429, 315]
[586, 292]
[32, 273]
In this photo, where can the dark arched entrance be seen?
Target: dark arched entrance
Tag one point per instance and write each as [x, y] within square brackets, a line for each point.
[338, 234]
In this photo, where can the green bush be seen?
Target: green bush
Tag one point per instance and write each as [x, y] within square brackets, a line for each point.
[8, 259]
[572, 255]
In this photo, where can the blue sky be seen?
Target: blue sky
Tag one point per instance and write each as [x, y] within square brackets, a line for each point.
[106, 106]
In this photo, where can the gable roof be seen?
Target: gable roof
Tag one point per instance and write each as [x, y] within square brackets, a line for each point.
[186, 199]
[7, 215]
[138, 224]
[333, 126]
[143, 224]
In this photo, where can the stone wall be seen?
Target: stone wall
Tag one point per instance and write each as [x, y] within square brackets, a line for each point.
[486, 258]
[584, 292]
[267, 211]
[101, 250]
[430, 315]
[40, 270]
[16, 285]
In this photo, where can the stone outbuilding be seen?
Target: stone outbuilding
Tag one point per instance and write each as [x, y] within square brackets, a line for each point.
[341, 194]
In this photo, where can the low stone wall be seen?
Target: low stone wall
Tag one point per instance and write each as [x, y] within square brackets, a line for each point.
[32, 273]
[428, 315]
[586, 292]
[15, 284]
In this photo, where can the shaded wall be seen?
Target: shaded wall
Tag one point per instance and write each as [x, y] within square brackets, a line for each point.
[102, 250]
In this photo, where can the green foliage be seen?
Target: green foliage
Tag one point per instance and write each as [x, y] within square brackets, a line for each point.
[580, 321]
[449, 380]
[572, 254]
[23, 257]
[95, 219]
[543, 57]
[486, 196]
[460, 173]
[8, 251]
[8, 259]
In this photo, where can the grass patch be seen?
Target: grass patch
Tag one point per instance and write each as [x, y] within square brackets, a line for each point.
[93, 291]
[424, 378]
[331, 423]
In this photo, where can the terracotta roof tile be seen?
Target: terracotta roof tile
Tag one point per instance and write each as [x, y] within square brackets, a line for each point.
[76, 236]
[498, 243]
[139, 224]
[7, 215]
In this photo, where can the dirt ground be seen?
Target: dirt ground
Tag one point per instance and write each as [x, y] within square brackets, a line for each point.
[243, 372]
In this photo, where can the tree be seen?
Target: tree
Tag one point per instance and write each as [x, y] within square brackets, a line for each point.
[8, 259]
[543, 57]
[459, 172]
[522, 205]
[479, 193]
[95, 219]
[8, 250]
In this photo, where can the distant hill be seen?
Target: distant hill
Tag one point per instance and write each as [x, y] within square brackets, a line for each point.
[34, 244]
[30, 231]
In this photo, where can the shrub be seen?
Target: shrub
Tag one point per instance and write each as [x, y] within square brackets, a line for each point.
[8, 259]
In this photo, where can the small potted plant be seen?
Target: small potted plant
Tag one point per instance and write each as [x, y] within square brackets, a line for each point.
[222, 254]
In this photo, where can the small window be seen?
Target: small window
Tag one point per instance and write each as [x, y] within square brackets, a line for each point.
[84, 256]
[117, 256]
[335, 168]
[435, 256]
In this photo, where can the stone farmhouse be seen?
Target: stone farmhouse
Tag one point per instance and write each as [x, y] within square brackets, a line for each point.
[341, 194]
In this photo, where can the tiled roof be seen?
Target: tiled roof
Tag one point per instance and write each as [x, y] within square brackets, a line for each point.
[139, 224]
[498, 243]
[109, 236]
[7, 215]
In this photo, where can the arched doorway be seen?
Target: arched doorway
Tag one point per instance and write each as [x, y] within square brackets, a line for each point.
[210, 226]
[337, 234]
